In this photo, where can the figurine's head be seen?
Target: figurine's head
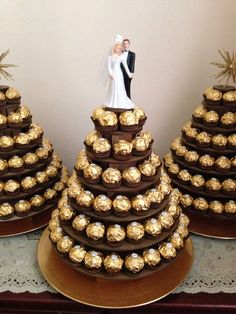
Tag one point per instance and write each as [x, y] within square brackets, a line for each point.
[118, 49]
[126, 44]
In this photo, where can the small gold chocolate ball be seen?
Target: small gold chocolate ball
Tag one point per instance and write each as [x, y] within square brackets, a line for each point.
[229, 185]
[134, 263]
[131, 175]
[216, 206]
[102, 204]
[213, 94]
[199, 111]
[191, 133]
[28, 183]
[187, 126]
[174, 210]
[184, 175]
[121, 204]
[147, 168]
[22, 207]
[6, 209]
[151, 257]
[230, 96]
[80, 222]
[219, 140]
[92, 171]
[232, 140]
[66, 213]
[206, 161]
[37, 200]
[167, 250]
[176, 143]
[3, 164]
[55, 213]
[155, 160]
[181, 151]
[59, 186]
[53, 224]
[22, 139]
[230, 207]
[101, 145]
[82, 161]
[12, 93]
[11, 186]
[139, 113]
[140, 203]
[111, 175]
[30, 158]
[56, 234]
[146, 135]
[154, 196]
[3, 119]
[95, 231]
[228, 119]
[2, 96]
[41, 177]
[122, 147]
[93, 260]
[113, 263]
[153, 227]
[14, 117]
[211, 117]
[33, 134]
[197, 181]
[182, 230]
[128, 118]
[213, 185]
[77, 254]
[166, 220]
[92, 137]
[115, 233]
[85, 198]
[6, 141]
[140, 144]
[174, 169]
[24, 112]
[15, 162]
[176, 240]
[203, 138]
[135, 231]
[191, 156]
[223, 163]
[200, 203]
[51, 171]
[50, 194]
[184, 220]
[97, 113]
[42, 153]
[74, 190]
[65, 244]
[108, 118]
[164, 188]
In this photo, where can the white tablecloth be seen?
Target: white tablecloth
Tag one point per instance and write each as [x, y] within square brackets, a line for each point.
[213, 271]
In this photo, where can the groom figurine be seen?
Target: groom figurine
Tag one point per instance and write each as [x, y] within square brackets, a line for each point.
[130, 59]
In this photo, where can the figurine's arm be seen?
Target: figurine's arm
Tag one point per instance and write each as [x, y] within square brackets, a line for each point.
[130, 75]
[109, 67]
[132, 63]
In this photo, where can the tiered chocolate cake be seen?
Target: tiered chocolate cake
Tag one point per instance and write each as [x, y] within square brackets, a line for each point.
[31, 174]
[118, 216]
[202, 162]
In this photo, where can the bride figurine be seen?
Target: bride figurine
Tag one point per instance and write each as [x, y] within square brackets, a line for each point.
[117, 97]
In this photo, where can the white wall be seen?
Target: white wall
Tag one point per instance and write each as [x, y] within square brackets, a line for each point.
[59, 44]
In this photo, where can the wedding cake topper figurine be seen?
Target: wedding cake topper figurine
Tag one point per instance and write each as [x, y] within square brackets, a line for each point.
[130, 59]
[117, 96]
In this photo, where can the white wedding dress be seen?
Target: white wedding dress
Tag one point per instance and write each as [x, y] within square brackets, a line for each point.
[117, 97]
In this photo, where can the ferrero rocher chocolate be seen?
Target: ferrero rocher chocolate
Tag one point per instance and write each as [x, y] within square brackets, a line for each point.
[174, 210]
[134, 263]
[146, 135]
[95, 231]
[199, 111]
[131, 175]
[97, 113]
[213, 185]
[51, 171]
[200, 204]
[147, 168]
[187, 126]
[223, 163]
[166, 219]
[37, 200]
[155, 160]
[93, 260]
[174, 169]
[122, 147]
[128, 118]
[229, 96]
[140, 203]
[66, 213]
[111, 175]
[216, 207]
[154, 196]
[184, 175]
[191, 133]
[2, 96]
[92, 172]
[211, 117]
[181, 151]
[42, 153]
[213, 94]
[102, 204]
[135, 231]
[22, 139]
[183, 219]
[22, 207]
[80, 222]
[30, 158]
[24, 112]
[53, 224]
[12, 93]
[92, 137]
[139, 113]
[15, 162]
[113, 263]
[74, 190]
[108, 118]
[65, 244]
[230, 207]
[85, 198]
[229, 185]
[121, 204]
[33, 134]
[151, 257]
[191, 156]
[153, 227]
[55, 213]
[6, 141]
[49, 194]
[82, 161]
[140, 144]
[219, 140]
[115, 233]
[176, 240]
[3, 119]
[56, 234]
[164, 188]
[59, 186]
[14, 117]
[77, 254]
[203, 138]
[197, 181]
[176, 143]
[6, 209]
[28, 183]
[101, 145]
[232, 140]
[206, 161]
[3, 164]
[167, 250]
[41, 177]
[11, 186]
[228, 119]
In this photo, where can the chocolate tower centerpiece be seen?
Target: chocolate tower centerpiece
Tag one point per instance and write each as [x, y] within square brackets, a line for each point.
[202, 162]
[118, 216]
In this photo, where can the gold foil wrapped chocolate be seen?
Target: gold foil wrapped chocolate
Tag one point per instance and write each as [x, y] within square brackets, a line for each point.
[55, 213]
[37, 200]
[216, 207]
[24, 112]
[153, 227]
[200, 204]
[206, 161]
[166, 220]
[139, 113]
[6, 209]
[229, 185]
[164, 188]
[82, 161]
[128, 118]
[97, 113]
[131, 175]
[113, 263]
[155, 160]
[140, 203]
[92, 137]
[111, 175]
[167, 250]
[147, 168]
[28, 183]
[199, 111]
[14, 117]
[191, 133]
[219, 140]
[176, 143]
[176, 240]
[80, 222]
[203, 138]
[22, 139]
[42, 153]
[66, 213]
[140, 144]
[93, 260]
[2, 96]
[230, 207]
[22, 207]
[59, 186]
[56, 234]
[135, 231]
[134, 263]
[85, 198]
[3, 119]
[74, 190]
[15, 162]
[11, 186]
[229, 96]
[145, 135]
[115, 233]
[30, 158]
[101, 145]
[41, 177]
[92, 171]
[184, 220]
[121, 204]
[151, 257]
[102, 204]
[191, 156]
[108, 118]
[174, 210]
[154, 196]
[51, 171]
[53, 224]
[3, 165]
[50, 194]
[77, 254]
[174, 169]
[122, 147]
[181, 151]
[65, 244]
[228, 119]
[213, 185]
[12, 93]
[223, 163]
[184, 175]
[232, 140]
[211, 117]
[95, 231]
[6, 141]
[213, 94]
[197, 181]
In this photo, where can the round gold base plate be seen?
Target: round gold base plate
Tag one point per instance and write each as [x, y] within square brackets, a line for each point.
[105, 293]
[25, 224]
[205, 226]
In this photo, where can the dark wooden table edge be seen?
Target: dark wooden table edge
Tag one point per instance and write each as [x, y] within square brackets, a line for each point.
[47, 302]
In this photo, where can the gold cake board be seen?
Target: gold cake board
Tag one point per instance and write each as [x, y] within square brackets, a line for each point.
[206, 227]
[26, 224]
[111, 294]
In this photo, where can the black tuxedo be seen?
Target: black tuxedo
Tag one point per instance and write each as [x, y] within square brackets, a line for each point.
[131, 63]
